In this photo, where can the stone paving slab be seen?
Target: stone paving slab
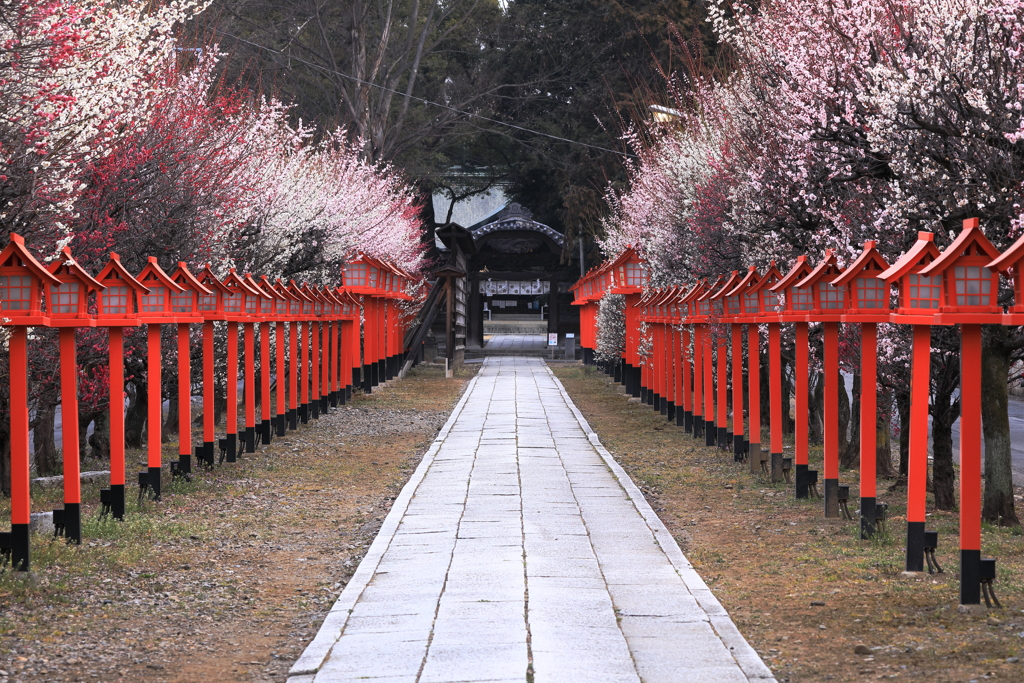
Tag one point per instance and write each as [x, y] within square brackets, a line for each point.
[520, 549]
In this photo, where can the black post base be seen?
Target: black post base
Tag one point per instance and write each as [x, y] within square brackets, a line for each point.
[617, 373]
[112, 501]
[915, 547]
[776, 467]
[153, 480]
[279, 425]
[670, 411]
[303, 413]
[739, 447]
[801, 481]
[724, 437]
[267, 430]
[325, 404]
[698, 426]
[970, 577]
[663, 405]
[348, 392]
[250, 439]
[333, 398]
[867, 518]
[367, 382]
[831, 498]
[14, 545]
[687, 421]
[636, 372]
[754, 454]
[67, 522]
[314, 408]
[231, 454]
[293, 419]
[205, 454]
[710, 433]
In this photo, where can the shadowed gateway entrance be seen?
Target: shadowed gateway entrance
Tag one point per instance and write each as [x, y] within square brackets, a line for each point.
[518, 286]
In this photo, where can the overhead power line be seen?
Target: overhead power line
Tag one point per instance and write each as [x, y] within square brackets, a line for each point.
[426, 101]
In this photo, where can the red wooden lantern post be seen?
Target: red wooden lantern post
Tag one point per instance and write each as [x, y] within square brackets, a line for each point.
[733, 315]
[185, 306]
[330, 343]
[696, 318]
[119, 304]
[243, 303]
[235, 305]
[828, 304]
[211, 306]
[301, 359]
[274, 320]
[798, 301]
[970, 298]
[681, 351]
[350, 342]
[361, 280]
[920, 296]
[744, 303]
[23, 283]
[705, 314]
[628, 277]
[644, 363]
[762, 304]
[293, 316]
[268, 299]
[718, 303]
[313, 322]
[868, 305]
[156, 311]
[68, 308]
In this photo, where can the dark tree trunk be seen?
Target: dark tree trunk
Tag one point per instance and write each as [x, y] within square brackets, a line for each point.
[883, 437]
[99, 442]
[787, 392]
[171, 421]
[849, 457]
[943, 475]
[5, 453]
[903, 406]
[48, 462]
[844, 416]
[996, 355]
[815, 418]
[135, 417]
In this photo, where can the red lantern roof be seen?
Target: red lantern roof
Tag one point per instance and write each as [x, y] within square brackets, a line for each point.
[68, 302]
[211, 305]
[970, 289]
[798, 300]
[121, 298]
[186, 304]
[156, 304]
[919, 295]
[241, 301]
[22, 279]
[828, 300]
[279, 301]
[869, 293]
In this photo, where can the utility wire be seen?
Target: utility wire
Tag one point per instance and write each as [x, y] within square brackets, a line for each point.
[425, 101]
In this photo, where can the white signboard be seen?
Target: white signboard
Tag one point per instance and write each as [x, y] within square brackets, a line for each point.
[552, 339]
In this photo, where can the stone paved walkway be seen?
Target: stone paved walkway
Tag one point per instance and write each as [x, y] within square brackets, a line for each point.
[517, 342]
[520, 546]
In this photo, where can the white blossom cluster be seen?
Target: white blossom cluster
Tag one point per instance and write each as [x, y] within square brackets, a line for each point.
[611, 328]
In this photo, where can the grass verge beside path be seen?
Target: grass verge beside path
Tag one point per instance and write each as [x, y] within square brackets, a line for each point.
[805, 591]
[229, 577]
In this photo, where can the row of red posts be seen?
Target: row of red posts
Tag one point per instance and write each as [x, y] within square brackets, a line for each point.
[328, 339]
[689, 326]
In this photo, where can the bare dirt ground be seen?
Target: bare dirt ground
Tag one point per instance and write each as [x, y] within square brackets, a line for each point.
[806, 591]
[229, 576]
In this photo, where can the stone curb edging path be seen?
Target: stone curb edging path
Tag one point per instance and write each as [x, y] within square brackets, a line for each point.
[519, 550]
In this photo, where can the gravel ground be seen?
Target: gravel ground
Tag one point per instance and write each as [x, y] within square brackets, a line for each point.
[229, 577]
